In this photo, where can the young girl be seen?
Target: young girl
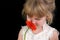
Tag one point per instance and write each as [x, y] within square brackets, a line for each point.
[39, 15]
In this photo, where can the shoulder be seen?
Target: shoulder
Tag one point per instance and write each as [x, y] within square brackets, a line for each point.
[23, 29]
[54, 30]
[21, 32]
[20, 35]
[55, 34]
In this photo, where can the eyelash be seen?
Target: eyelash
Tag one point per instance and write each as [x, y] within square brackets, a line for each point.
[37, 19]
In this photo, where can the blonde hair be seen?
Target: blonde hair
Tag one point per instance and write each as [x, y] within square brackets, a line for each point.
[39, 8]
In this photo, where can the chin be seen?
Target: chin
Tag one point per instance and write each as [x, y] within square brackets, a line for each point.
[39, 25]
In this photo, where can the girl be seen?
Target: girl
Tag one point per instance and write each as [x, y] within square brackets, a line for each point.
[39, 15]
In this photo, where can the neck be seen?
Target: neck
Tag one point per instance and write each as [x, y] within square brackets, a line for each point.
[38, 30]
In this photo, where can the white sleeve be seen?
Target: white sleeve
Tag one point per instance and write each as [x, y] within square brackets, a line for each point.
[23, 30]
[53, 30]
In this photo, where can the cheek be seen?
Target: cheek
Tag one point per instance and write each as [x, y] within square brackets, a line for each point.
[41, 22]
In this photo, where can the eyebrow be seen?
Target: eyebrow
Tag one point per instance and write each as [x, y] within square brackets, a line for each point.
[37, 18]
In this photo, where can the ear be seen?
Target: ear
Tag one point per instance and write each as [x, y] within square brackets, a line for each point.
[47, 20]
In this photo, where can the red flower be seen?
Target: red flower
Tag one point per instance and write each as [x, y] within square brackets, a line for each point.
[31, 25]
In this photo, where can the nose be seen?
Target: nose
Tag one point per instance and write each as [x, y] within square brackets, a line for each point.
[34, 21]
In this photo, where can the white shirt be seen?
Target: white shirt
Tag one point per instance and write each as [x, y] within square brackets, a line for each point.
[44, 35]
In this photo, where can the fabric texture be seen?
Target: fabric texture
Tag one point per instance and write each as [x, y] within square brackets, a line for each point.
[44, 35]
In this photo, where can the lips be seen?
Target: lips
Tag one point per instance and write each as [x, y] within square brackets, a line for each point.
[31, 25]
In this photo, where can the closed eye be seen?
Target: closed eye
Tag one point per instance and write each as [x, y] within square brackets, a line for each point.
[37, 18]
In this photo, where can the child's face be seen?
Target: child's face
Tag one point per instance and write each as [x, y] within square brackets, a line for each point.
[37, 21]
